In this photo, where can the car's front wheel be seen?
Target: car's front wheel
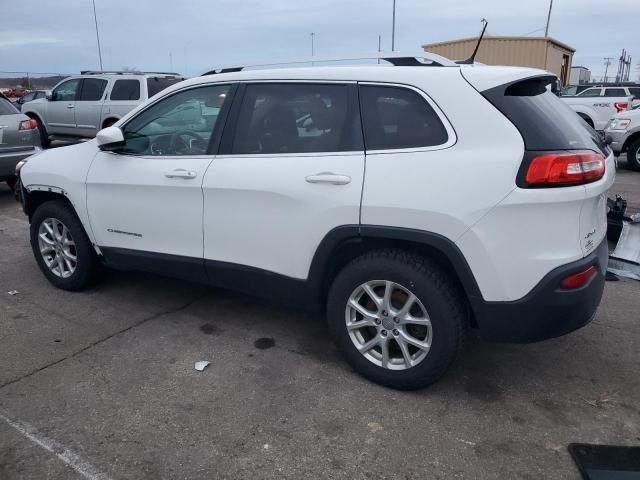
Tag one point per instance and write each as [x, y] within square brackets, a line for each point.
[397, 318]
[62, 249]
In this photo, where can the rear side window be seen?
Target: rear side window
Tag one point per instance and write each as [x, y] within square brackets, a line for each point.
[92, 89]
[297, 118]
[396, 117]
[6, 107]
[615, 92]
[635, 91]
[592, 92]
[157, 84]
[125, 90]
[544, 121]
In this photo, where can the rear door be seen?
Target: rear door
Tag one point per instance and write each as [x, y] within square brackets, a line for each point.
[88, 106]
[290, 170]
[61, 117]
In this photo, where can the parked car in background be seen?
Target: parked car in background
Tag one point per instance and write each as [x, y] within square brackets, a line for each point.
[623, 135]
[29, 97]
[17, 92]
[19, 138]
[572, 90]
[597, 110]
[80, 106]
[608, 91]
[255, 180]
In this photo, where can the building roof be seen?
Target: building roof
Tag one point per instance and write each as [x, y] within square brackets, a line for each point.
[499, 37]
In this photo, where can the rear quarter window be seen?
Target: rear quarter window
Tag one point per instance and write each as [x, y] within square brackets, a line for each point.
[125, 90]
[7, 108]
[157, 84]
[544, 121]
[397, 117]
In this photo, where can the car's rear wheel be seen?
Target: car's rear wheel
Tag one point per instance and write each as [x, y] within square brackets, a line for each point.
[397, 318]
[633, 155]
[62, 249]
[44, 136]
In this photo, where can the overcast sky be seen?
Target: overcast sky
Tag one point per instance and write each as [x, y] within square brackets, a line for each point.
[59, 35]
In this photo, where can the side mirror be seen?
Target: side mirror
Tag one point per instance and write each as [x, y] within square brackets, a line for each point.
[48, 96]
[110, 139]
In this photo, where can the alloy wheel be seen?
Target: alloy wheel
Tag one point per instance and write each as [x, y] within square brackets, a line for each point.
[57, 248]
[388, 325]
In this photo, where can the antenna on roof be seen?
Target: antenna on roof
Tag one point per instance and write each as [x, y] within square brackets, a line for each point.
[472, 58]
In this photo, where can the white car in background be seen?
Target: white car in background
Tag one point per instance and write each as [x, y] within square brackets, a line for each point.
[255, 180]
[597, 105]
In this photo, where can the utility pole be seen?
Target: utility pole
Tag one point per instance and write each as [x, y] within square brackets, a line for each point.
[546, 30]
[95, 19]
[607, 62]
[393, 28]
[312, 46]
[379, 45]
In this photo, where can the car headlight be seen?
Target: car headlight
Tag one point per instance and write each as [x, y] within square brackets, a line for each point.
[619, 124]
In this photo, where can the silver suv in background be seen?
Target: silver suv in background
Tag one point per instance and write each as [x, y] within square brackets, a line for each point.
[623, 135]
[80, 106]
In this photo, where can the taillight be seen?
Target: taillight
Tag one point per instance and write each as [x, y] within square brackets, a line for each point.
[28, 124]
[565, 168]
[578, 279]
[621, 106]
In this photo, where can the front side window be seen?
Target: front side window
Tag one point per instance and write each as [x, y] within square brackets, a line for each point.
[125, 90]
[181, 124]
[591, 92]
[396, 117]
[296, 118]
[66, 91]
[615, 92]
[92, 89]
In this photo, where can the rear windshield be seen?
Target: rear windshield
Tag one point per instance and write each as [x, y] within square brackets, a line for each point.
[6, 107]
[544, 121]
[157, 84]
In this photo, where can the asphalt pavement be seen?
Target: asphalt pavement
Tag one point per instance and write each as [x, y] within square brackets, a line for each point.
[101, 385]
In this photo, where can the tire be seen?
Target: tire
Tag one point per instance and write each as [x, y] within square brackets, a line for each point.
[408, 274]
[11, 183]
[44, 136]
[86, 263]
[633, 155]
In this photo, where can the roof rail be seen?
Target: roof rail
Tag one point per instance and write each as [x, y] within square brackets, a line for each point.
[395, 58]
[125, 72]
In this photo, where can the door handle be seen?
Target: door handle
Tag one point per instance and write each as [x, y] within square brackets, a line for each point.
[329, 177]
[70, 105]
[181, 173]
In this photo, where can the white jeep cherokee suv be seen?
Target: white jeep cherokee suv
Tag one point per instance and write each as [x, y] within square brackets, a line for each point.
[407, 201]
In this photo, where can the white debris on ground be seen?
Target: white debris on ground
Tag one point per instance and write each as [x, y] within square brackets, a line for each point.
[13, 292]
[625, 259]
[201, 365]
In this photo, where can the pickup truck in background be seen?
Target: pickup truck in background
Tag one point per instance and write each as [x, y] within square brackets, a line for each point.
[598, 110]
[79, 106]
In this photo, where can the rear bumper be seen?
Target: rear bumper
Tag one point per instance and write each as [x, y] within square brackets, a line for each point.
[547, 311]
[9, 160]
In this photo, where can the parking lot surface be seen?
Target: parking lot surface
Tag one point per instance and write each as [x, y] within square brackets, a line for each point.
[101, 385]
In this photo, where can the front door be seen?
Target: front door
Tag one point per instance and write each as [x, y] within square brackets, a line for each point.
[289, 170]
[61, 115]
[146, 200]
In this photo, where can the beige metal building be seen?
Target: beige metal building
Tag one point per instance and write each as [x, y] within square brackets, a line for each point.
[537, 52]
